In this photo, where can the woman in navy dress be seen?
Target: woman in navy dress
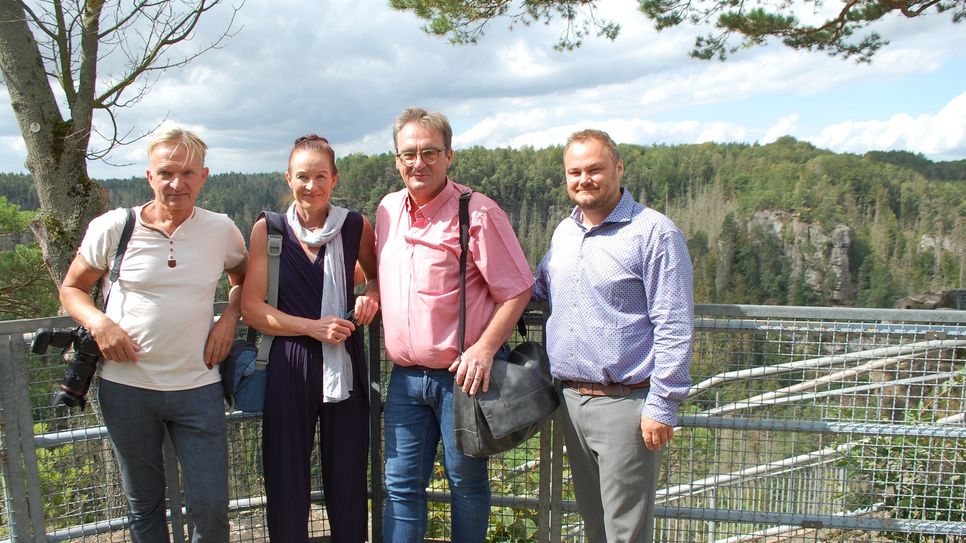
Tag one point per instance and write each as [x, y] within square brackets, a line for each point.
[317, 373]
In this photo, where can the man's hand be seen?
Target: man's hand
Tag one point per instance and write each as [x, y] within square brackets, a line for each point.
[115, 344]
[112, 340]
[220, 338]
[473, 369]
[655, 433]
[365, 309]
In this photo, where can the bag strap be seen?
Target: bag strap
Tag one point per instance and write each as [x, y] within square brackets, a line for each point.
[464, 229]
[464, 217]
[119, 252]
[276, 228]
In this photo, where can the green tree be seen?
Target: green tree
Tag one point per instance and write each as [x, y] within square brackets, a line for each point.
[51, 43]
[25, 291]
[739, 24]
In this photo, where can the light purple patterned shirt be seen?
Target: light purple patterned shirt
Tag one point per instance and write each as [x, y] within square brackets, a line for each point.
[622, 304]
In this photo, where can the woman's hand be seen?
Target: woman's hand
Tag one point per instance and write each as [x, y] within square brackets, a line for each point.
[331, 330]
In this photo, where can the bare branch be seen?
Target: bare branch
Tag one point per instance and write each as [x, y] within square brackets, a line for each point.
[165, 33]
[64, 54]
[126, 18]
[38, 22]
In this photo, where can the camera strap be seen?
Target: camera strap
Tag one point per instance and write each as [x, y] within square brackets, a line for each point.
[119, 252]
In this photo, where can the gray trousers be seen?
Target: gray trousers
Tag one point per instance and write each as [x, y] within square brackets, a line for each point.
[615, 475]
[136, 419]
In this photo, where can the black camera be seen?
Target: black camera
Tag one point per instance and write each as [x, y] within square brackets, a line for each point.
[80, 367]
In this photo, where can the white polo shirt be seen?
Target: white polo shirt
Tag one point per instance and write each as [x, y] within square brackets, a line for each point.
[167, 310]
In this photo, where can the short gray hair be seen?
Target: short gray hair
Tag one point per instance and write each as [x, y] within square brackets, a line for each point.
[434, 120]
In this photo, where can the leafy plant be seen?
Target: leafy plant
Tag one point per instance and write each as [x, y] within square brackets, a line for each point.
[915, 478]
[64, 477]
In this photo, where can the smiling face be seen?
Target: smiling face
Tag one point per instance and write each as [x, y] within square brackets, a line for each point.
[424, 181]
[593, 179]
[176, 177]
[311, 176]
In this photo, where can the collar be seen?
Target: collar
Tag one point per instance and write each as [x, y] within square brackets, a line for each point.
[624, 212]
[451, 191]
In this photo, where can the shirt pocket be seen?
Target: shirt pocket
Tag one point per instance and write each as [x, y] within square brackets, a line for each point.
[435, 270]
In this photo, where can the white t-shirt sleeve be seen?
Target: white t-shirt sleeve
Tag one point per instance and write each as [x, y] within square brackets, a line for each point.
[236, 250]
[100, 240]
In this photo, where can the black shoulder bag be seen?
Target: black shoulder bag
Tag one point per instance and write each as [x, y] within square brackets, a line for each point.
[521, 397]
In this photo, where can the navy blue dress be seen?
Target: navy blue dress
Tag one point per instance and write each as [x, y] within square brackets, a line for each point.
[293, 408]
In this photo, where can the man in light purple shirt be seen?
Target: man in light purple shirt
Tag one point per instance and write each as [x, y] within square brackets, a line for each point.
[417, 246]
[618, 279]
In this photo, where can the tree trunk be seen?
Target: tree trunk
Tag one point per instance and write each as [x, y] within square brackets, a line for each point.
[69, 199]
[56, 148]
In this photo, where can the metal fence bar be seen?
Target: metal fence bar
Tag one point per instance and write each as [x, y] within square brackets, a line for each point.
[815, 521]
[85, 530]
[948, 431]
[799, 312]
[376, 468]
[11, 446]
[26, 428]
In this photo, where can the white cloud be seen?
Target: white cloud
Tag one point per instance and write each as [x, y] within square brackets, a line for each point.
[940, 135]
[783, 127]
[344, 70]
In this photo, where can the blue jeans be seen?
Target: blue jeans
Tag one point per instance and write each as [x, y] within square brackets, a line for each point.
[418, 412]
[136, 419]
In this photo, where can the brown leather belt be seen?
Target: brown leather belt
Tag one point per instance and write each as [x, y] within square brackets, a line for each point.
[423, 368]
[613, 389]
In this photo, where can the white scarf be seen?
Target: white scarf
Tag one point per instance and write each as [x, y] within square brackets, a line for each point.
[336, 363]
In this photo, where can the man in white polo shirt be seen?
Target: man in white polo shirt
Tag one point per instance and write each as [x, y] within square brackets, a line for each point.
[158, 341]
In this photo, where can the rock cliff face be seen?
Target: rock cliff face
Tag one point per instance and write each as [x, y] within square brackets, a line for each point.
[819, 255]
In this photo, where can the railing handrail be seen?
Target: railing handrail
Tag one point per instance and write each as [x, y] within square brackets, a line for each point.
[946, 316]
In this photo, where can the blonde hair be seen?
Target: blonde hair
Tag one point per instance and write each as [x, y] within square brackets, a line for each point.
[590, 134]
[180, 137]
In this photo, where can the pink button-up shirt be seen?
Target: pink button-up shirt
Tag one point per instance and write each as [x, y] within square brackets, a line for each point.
[418, 252]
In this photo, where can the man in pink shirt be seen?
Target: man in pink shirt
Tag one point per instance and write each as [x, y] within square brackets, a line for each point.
[417, 244]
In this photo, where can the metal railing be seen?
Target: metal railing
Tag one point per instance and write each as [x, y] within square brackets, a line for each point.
[803, 424]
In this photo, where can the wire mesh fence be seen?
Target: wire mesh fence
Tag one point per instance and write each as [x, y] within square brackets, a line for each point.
[821, 425]
[803, 424]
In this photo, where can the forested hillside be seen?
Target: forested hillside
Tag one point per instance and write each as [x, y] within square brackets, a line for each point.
[784, 223]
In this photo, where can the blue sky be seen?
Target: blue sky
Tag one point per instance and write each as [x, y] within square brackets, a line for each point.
[344, 70]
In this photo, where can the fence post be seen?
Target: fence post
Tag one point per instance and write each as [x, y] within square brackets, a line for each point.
[374, 359]
[555, 429]
[21, 477]
[551, 462]
[11, 464]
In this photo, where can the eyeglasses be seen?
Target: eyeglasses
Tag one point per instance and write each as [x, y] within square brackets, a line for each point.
[429, 156]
